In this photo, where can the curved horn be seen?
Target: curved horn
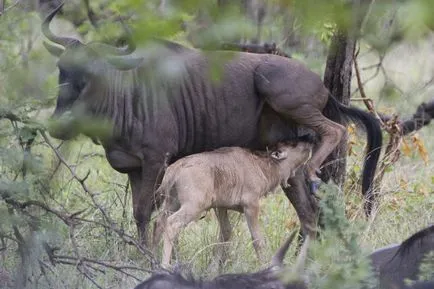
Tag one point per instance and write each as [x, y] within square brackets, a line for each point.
[277, 259]
[117, 51]
[53, 49]
[106, 49]
[302, 256]
[64, 41]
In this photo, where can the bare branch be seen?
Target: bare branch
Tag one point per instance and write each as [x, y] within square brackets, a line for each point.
[128, 239]
[23, 205]
[61, 258]
[422, 117]
[3, 9]
[90, 14]
[368, 102]
[80, 180]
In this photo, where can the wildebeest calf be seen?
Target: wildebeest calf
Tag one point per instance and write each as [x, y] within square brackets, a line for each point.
[227, 178]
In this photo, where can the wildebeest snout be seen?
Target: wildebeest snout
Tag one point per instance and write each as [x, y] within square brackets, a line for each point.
[62, 126]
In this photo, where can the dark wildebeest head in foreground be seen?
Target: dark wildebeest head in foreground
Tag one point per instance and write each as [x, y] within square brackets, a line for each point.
[231, 178]
[84, 71]
[265, 279]
[166, 100]
[394, 264]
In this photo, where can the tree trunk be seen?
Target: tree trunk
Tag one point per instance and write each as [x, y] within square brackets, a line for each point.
[337, 78]
[255, 10]
[222, 3]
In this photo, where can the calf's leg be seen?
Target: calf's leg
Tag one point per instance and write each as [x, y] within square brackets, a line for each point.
[225, 233]
[252, 217]
[159, 226]
[186, 214]
[224, 224]
[169, 206]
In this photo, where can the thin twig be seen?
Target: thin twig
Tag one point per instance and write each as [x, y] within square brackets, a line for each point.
[125, 237]
[368, 102]
[80, 180]
[4, 10]
[60, 258]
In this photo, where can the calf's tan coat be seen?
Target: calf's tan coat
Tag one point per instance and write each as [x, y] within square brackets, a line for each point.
[227, 178]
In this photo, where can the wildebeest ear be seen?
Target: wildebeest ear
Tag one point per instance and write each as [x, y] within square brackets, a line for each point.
[279, 155]
[54, 50]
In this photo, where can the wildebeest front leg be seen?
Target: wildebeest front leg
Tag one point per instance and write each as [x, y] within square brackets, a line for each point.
[142, 187]
[305, 204]
[330, 132]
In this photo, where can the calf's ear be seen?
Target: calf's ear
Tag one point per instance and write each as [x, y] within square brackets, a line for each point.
[279, 155]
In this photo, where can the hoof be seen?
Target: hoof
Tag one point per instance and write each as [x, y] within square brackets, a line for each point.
[314, 186]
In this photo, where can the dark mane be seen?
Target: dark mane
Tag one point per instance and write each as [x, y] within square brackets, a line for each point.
[172, 277]
[174, 46]
[263, 279]
[265, 153]
[415, 239]
[259, 153]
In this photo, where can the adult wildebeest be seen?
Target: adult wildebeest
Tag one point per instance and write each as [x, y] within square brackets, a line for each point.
[226, 178]
[265, 279]
[394, 264]
[165, 101]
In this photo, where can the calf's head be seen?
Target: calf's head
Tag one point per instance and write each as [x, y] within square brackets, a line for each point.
[79, 65]
[289, 156]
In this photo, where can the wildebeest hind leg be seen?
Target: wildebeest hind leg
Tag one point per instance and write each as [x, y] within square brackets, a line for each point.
[330, 132]
[304, 203]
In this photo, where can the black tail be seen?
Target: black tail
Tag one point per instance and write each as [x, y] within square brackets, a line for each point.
[342, 114]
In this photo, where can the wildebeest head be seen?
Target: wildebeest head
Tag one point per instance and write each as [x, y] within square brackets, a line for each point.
[78, 64]
[264, 279]
[394, 264]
